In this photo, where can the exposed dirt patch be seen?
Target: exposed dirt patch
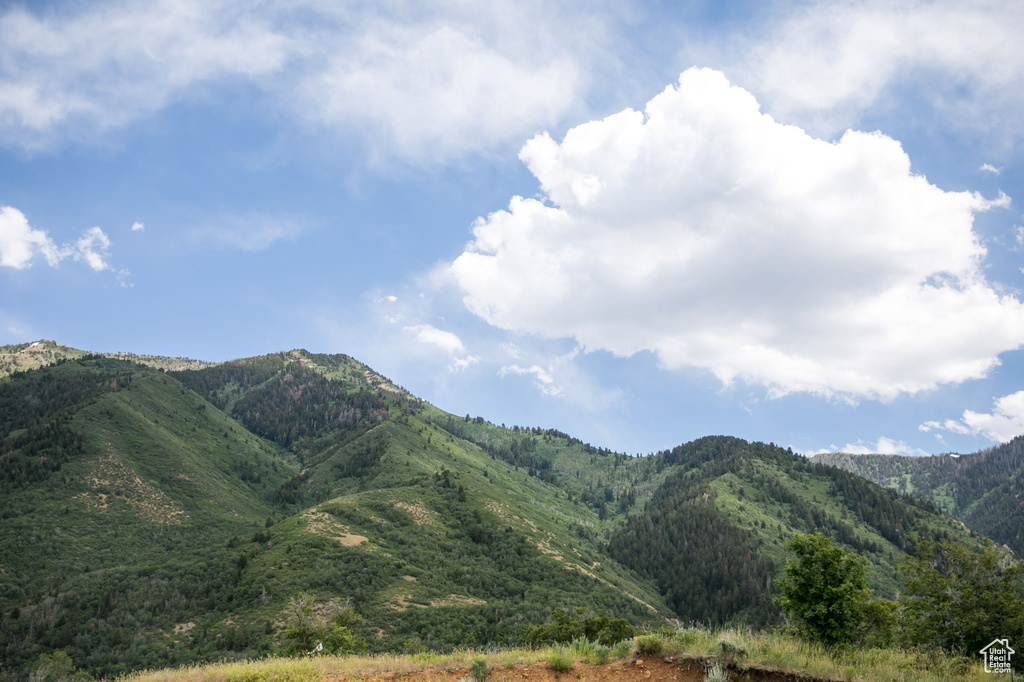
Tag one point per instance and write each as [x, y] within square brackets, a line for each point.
[380, 383]
[641, 670]
[420, 514]
[110, 477]
[322, 523]
[457, 600]
[544, 542]
[401, 602]
[183, 627]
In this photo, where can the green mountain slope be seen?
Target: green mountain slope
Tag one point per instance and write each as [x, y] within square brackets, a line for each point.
[984, 490]
[160, 511]
[119, 528]
[721, 518]
[136, 516]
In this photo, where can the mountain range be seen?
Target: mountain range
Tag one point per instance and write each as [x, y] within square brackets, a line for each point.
[161, 511]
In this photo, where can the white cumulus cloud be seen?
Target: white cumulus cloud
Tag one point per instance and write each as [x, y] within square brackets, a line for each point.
[93, 247]
[447, 342]
[706, 232]
[20, 243]
[1005, 422]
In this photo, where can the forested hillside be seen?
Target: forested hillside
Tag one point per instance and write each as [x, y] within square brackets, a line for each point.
[168, 512]
[984, 490]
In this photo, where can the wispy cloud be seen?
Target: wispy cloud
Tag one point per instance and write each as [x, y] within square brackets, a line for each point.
[111, 62]
[1003, 423]
[245, 232]
[989, 168]
[543, 379]
[559, 376]
[423, 83]
[93, 248]
[447, 342]
[828, 63]
[883, 446]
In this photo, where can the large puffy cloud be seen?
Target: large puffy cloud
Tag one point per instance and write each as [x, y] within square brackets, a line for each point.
[417, 82]
[706, 232]
[1003, 423]
[829, 62]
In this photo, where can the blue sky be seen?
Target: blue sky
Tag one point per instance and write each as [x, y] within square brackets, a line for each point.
[639, 223]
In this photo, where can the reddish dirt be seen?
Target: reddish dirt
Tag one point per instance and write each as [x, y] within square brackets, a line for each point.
[643, 669]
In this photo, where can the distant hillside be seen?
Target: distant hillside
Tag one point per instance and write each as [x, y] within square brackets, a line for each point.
[720, 520]
[985, 490]
[43, 353]
[156, 514]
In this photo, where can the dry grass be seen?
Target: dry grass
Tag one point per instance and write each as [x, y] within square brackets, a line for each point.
[745, 649]
[784, 653]
[336, 667]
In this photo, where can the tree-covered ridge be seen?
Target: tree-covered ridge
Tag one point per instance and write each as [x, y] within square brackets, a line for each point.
[300, 404]
[713, 535]
[708, 570]
[35, 410]
[224, 383]
[983, 489]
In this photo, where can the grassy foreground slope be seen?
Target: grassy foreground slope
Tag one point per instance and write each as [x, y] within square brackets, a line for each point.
[687, 655]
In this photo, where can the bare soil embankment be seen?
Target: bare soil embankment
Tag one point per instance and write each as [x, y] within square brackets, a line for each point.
[642, 669]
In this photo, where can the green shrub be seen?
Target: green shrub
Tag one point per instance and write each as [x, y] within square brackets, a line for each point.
[478, 670]
[716, 673]
[582, 647]
[560, 661]
[602, 654]
[687, 636]
[650, 644]
[622, 649]
[730, 651]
